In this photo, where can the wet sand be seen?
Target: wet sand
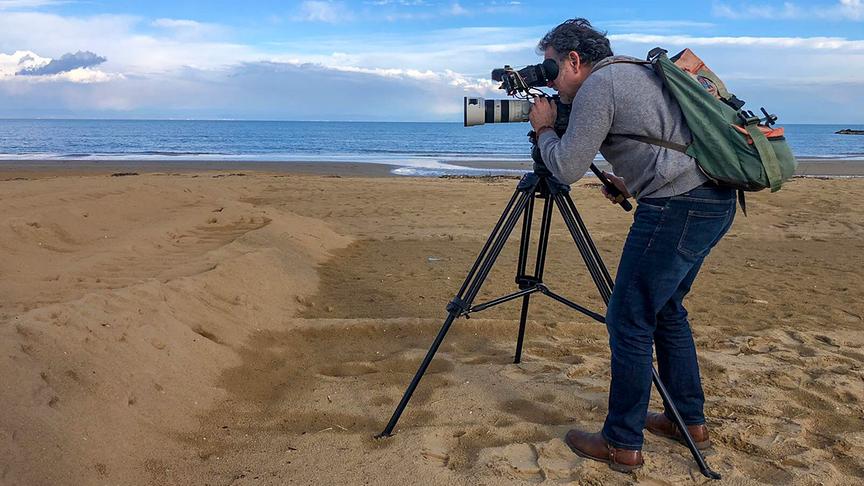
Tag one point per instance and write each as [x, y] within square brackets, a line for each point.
[806, 167]
[39, 169]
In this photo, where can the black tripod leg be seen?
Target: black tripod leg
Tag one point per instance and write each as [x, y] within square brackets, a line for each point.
[679, 422]
[488, 243]
[542, 244]
[592, 262]
[589, 242]
[523, 319]
[525, 242]
[520, 274]
[486, 267]
[416, 381]
[457, 306]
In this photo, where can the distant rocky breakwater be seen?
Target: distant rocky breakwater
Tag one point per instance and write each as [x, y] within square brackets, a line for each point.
[849, 131]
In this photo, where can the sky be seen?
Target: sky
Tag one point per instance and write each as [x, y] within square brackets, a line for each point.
[396, 60]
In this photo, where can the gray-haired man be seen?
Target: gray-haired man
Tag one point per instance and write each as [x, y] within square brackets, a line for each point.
[679, 219]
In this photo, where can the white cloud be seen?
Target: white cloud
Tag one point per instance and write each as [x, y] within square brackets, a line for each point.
[79, 75]
[473, 51]
[808, 43]
[67, 62]
[842, 10]
[852, 9]
[457, 9]
[11, 65]
[441, 78]
[655, 26]
[119, 38]
[189, 30]
[323, 11]
[18, 60]
[177, 23]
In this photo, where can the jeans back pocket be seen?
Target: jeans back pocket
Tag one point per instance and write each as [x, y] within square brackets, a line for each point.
[702, 230]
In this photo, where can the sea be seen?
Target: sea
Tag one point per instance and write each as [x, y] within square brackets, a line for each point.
[412, 149]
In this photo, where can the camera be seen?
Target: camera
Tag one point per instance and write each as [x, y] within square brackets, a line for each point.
[521, 84]
[521, 81]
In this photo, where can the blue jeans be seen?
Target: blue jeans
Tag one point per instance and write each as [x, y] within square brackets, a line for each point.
[668, 241]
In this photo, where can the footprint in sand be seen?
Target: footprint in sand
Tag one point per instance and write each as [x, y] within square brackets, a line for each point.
[556, 460]
[532, 412]
[514, 461]
[515, 373]
[542, 461]
[436, 450]
[342, 370]
[528, 371]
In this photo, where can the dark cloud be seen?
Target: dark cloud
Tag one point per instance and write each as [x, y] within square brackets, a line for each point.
[67, 62]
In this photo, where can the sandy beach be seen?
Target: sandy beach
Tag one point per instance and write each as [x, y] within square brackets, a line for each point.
[253, 326]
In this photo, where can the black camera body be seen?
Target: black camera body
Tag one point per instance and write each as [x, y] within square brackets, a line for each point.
[519, 82]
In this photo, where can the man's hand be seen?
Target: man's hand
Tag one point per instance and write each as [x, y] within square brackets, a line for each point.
[542, 114]
[619, 183]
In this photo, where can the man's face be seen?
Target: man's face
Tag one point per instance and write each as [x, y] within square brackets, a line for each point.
[571, 73]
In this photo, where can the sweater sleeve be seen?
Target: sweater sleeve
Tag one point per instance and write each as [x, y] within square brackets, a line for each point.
[569, 157]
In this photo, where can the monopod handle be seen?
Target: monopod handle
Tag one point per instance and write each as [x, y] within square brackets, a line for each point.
[610, 188]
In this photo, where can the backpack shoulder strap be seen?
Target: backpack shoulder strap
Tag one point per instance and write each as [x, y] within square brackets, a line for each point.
[656, 141]
[608, 61]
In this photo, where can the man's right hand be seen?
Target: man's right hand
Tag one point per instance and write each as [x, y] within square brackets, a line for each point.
[618, 183]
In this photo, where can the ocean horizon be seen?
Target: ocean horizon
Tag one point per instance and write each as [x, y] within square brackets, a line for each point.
[413, 148]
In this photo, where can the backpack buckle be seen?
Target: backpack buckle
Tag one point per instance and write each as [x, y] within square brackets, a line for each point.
[748, 117]
[733, 101]
[655, 53]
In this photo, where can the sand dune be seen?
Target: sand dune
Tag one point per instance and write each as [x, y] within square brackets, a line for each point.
[259, 329]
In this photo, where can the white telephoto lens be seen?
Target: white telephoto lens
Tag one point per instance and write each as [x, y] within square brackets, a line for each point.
[475, 111]
[479, 111]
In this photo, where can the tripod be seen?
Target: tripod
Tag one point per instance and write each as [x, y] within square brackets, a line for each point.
[539, 184]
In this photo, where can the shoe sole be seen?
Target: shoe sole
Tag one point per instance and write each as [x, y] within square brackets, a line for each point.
[705, 444]
[624, 468]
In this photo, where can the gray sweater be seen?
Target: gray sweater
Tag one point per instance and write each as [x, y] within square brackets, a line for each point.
[624, 99]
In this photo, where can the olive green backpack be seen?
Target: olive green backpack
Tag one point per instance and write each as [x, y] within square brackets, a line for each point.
[733, 147]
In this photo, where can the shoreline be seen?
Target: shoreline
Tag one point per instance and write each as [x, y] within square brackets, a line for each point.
[39, 169]
[42, 168]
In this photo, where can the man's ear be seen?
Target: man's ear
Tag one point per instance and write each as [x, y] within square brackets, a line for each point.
[576, 62]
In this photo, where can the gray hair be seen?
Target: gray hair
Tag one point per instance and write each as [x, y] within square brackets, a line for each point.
[577, 35]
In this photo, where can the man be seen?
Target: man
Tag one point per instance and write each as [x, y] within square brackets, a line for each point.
[679, 218]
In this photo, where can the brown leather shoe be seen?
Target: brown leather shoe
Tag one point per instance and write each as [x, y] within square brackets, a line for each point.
[659, 424]
[594, 446]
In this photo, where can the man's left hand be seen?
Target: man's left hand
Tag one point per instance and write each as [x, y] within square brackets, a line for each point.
[542, 114]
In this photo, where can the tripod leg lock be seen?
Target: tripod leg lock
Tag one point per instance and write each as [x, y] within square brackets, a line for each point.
[526, 281]
[457, 306]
